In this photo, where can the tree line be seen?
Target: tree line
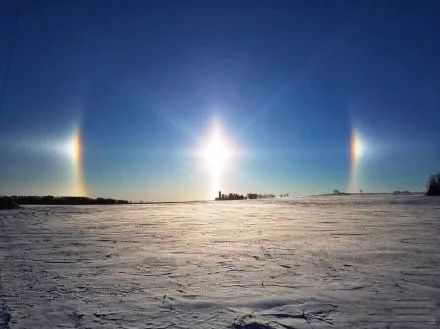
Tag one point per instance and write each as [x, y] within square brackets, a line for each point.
[259, 196]
[433, 185]
[63, 200]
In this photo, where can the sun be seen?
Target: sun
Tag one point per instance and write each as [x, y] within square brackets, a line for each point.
[216, 153]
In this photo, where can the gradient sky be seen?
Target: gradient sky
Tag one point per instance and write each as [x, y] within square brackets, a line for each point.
[289, 82]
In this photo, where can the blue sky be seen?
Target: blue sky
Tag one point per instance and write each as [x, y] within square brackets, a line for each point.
[288, 81]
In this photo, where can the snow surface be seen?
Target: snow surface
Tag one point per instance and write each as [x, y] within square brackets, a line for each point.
[315, 262]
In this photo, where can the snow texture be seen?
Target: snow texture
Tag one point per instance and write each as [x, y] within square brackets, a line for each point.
[315, 262]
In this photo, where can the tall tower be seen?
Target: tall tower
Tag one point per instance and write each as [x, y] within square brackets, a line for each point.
[219, 195]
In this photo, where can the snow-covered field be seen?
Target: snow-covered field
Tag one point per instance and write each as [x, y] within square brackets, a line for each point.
[315, 262]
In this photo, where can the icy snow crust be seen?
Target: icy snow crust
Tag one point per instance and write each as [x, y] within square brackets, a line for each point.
[315, 262]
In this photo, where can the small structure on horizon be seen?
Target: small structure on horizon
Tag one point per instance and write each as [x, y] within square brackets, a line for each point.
[230, 196]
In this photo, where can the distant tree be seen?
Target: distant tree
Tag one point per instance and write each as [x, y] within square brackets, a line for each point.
[230, 196]
[433, 186]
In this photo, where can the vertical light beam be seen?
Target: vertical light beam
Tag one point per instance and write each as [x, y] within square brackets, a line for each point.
[356, 150]
[76, 152]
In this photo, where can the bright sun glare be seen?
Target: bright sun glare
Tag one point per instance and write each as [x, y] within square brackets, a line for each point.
[216, 153]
